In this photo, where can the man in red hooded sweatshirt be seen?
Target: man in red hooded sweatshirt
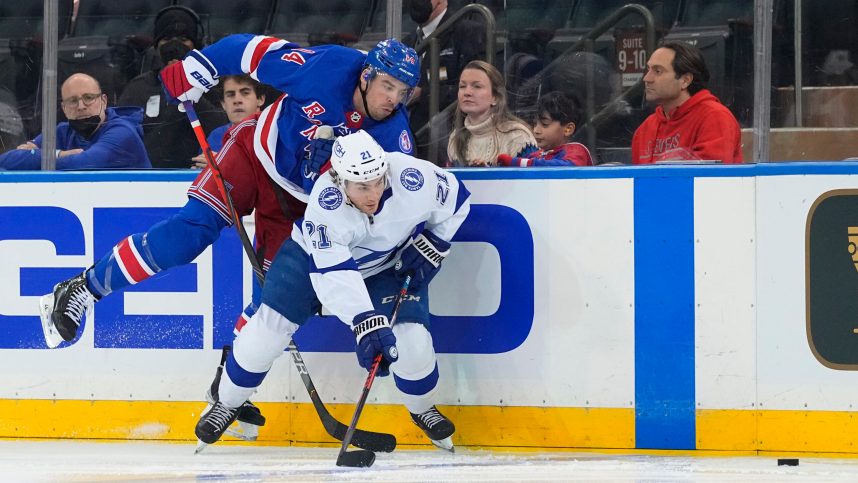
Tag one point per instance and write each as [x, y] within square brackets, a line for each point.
[689, 122]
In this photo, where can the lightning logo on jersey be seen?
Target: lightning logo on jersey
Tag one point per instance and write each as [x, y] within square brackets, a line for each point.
[412, 179]
[330, 198]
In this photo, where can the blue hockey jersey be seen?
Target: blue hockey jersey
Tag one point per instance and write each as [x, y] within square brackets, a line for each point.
[318, 85]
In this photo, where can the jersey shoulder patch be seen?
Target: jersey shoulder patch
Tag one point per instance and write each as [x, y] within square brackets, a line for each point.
[405, 142]
[330, 198]
[411, 179]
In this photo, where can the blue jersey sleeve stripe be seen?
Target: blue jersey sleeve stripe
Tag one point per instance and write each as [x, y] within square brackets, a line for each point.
[204, 61]
[461, 196]
[349, 264]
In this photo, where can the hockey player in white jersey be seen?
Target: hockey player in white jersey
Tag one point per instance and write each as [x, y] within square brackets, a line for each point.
[371, 219]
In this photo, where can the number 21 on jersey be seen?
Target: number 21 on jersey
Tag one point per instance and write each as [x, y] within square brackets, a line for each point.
[321, 231]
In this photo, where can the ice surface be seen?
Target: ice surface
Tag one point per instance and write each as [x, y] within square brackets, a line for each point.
[167, 462]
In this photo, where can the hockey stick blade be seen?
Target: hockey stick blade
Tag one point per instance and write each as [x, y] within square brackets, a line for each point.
[368, 440]
[360, 458]
[364, 458]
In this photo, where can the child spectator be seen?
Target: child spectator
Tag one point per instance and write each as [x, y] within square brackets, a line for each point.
[557, 116]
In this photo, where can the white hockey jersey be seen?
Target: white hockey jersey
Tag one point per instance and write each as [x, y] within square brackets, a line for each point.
[346, 245]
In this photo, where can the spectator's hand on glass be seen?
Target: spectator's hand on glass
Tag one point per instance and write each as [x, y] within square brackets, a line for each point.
[479, 163]
[200, 162]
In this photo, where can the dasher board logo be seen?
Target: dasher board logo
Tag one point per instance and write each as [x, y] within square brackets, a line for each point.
[831, 251]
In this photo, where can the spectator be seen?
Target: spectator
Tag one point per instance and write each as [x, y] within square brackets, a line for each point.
[557, 116]
[457, 46]
[169, 139]
[94, 136]
[11, 124]
[689, 122]
[483, 126]
[242, 97]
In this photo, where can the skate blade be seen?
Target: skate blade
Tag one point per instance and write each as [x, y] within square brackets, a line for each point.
[46, 307]
[244, 431]
[446, 444]
[200, 447]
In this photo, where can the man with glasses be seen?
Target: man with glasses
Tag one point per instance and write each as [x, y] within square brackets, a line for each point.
[94, 136]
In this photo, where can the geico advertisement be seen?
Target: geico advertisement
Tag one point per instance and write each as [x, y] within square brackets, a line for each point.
[75, 224]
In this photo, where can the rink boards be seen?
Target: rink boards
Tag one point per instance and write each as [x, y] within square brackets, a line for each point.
[662, 307]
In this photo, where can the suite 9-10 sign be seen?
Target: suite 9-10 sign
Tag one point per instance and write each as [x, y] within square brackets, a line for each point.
[831, 268]
[631, 55]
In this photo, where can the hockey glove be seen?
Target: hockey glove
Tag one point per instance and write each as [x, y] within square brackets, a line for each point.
[188, 79]
[373, 335]
[320, 153]
[422, 258]
[319, 157]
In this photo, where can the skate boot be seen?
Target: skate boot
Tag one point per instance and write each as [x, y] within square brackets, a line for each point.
[249, 419]
[437, 427]
[249, 416]
[213, 423]
[63, 310]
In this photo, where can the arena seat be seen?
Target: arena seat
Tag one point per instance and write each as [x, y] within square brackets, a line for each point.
[95, 56]
[21, 46]
[224, 17]
[314, 22]
[23, 19]
[117, 18]
[586, 14]
[108, 39]
[723, 31]
[521, 15]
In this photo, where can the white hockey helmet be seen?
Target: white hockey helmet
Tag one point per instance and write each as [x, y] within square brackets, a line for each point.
[357, 157]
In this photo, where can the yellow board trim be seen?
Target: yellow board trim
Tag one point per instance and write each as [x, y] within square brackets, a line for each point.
[777, 431]
[292, 423]
[735, 431]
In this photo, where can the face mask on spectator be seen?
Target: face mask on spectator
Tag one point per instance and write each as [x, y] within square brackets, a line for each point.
[420, 11]
[173, 49]
[86, 126]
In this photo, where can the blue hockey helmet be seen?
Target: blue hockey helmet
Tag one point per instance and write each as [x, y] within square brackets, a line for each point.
[396, 59]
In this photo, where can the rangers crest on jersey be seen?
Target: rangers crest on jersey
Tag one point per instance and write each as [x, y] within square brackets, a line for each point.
[412, 179]
[330, 198]
[405, 142]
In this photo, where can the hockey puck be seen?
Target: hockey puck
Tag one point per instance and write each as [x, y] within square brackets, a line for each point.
[787, 461]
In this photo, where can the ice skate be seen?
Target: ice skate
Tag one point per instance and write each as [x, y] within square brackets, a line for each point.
[437, 427]
[213, 424]
[247, 422]
[249, 418]
[63, 310]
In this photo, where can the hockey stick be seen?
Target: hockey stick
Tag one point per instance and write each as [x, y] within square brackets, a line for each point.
[364, 458]
[368, 440]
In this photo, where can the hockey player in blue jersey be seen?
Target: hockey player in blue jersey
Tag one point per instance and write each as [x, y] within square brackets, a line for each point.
[370, 219]
[269, 160]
